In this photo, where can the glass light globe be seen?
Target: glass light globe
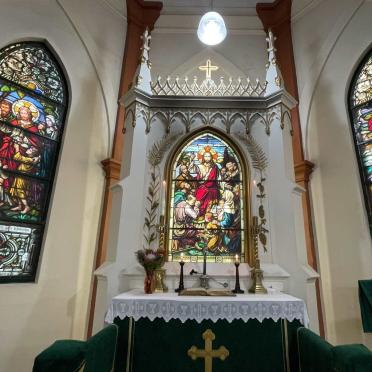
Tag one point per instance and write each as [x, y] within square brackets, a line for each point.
[212, 29]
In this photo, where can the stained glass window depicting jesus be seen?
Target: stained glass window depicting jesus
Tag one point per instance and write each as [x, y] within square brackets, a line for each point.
[206, 211]
[33, 98]
[361, 116]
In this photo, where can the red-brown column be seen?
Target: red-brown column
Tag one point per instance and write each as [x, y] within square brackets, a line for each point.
[277, 17]
[140, 14]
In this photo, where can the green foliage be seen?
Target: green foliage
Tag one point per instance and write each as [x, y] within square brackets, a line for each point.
[258, 156]
[159, 148]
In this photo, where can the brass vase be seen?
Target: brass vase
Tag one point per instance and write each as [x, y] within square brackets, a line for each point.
[160, 286]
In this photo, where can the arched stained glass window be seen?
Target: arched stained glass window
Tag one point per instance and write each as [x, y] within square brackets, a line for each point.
[33, 100]
[206, 211]
[361, 116]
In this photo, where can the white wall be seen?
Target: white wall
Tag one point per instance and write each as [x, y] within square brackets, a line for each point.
[176, 50]
[88, 36]
[329, 40]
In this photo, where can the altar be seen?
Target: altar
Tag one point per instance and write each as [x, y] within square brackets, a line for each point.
[208, 179]
[248, 332]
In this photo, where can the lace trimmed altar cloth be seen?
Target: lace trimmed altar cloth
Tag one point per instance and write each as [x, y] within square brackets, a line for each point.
[169, 306]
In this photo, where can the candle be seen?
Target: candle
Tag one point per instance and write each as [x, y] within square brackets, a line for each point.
[163, 195]
[237, 258]
[181, 257]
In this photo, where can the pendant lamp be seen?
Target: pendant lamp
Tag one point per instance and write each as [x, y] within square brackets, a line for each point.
[212, 29]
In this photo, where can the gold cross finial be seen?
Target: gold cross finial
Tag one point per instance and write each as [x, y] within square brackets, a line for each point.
[208, 353]
[146, 37]
[270, 41]
[208, 68]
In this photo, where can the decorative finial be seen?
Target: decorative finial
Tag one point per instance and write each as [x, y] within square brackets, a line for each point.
[274, 79]
[146, 37]
[270, 41]
[142, 77]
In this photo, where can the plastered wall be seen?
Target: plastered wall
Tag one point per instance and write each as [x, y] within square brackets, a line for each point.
[88, 37]
[329, 41]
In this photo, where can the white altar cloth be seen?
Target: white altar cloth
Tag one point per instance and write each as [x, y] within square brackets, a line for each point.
[169, 306]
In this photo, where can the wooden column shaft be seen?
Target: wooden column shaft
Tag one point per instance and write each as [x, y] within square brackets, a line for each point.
[140, 14]
[277, 17]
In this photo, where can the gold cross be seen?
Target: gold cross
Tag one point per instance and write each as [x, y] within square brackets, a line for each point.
[208, 354]
[208, 68]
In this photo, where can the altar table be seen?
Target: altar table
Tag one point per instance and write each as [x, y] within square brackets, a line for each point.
[169, 306]
[162, 332]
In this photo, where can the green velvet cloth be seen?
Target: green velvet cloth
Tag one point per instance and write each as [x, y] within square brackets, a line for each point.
[314, 353]
[97, 354]
[101, 350]
[352, 358]
[61, 356]
[253, 346]
[365, 300]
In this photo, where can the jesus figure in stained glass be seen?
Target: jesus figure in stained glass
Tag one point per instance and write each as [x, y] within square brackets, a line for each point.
[207, 173]
[206, 204]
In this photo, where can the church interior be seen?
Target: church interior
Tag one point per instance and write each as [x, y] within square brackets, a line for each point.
[186, 185]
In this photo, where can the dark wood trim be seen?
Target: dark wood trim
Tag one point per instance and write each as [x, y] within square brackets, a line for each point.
[140, 14]
[277, 17]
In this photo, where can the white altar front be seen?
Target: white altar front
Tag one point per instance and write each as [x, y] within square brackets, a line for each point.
[168, 112]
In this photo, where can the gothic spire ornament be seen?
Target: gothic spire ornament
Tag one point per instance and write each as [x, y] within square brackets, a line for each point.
[142, 77]
[274, 79]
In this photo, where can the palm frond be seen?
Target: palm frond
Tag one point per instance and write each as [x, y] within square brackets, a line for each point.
[258, 156]
[159, 148]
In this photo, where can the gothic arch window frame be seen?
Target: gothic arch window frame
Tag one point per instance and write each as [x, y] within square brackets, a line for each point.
[246, 186]
[355, 116]
[62, 107]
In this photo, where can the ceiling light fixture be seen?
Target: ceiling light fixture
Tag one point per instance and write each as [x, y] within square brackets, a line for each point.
[212, 29]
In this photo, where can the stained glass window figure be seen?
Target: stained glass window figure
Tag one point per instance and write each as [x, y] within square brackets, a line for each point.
[33, 100]
[206, 210]
[361, 116]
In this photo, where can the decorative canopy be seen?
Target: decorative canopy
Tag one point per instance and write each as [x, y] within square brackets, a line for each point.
[242, 87]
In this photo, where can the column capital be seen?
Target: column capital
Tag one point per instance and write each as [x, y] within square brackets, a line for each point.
[112, 169]
[303, 171]
[274, 14]
[143, 13]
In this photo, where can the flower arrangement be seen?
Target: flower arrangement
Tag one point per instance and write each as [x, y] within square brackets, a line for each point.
[150, 259]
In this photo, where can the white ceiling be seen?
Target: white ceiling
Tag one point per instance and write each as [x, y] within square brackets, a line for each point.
[229, 7]
[226, 7]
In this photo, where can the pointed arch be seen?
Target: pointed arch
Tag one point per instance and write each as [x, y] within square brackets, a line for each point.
[208, 199]
[360, 108]
[33, 106]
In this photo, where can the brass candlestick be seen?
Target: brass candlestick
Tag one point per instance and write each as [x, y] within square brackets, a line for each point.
[256, 272]
[181, 286]
[159, 273]
[237, 281]
[161, 232]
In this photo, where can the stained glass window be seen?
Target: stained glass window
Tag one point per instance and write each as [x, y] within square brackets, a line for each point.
[361, 117]
[33, 99]
[206, 210]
